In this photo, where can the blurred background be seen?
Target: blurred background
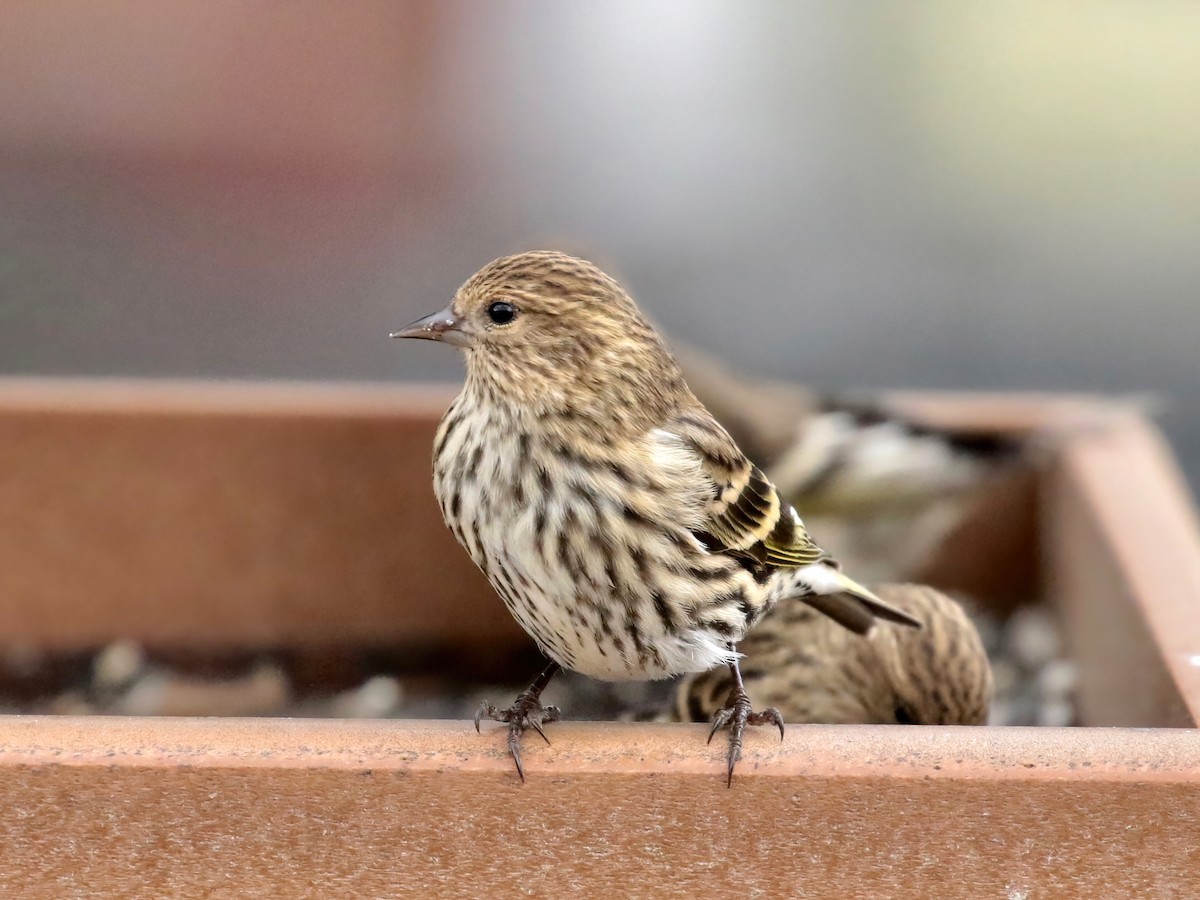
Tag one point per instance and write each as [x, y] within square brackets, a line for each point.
[942, 194]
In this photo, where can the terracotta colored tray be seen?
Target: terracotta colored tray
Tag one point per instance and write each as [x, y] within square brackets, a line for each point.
[232, 515]
[223, 808]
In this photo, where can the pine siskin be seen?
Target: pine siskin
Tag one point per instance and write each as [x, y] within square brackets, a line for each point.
[620, 524]
[814, 671]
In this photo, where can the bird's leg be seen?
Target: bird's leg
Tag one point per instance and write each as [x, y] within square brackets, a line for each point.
[526, 712]
[737, 714]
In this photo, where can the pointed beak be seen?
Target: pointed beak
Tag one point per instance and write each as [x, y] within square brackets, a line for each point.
[441, 326]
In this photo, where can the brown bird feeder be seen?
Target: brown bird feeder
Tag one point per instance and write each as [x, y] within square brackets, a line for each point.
[204, 516]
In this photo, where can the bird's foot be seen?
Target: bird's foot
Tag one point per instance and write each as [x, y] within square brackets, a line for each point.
[526, 712]
[736, 715]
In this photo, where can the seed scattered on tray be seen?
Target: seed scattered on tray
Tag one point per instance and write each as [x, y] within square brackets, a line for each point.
[1031, 688]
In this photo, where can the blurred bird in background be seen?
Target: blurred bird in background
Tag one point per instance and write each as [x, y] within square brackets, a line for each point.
[813, 671]
[881, 486]
[840, 454]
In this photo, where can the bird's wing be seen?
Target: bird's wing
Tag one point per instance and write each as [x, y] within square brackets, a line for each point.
[745, 515]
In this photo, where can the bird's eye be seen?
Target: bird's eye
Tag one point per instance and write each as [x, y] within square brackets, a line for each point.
[502, 312]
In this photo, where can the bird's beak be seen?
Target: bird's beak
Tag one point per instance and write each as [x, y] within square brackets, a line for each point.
[442, 326]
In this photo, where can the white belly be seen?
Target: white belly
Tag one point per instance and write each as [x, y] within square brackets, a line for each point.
[583, 624]
[557, 555]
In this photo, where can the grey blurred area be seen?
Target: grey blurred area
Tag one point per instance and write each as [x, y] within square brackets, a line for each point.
[937, 194]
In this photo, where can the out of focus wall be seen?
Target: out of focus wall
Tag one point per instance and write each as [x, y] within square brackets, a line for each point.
[246, 83]
[935, 194]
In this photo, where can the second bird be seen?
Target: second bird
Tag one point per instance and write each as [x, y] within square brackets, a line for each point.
[618, 521]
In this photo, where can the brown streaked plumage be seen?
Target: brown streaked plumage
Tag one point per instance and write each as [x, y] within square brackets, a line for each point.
[618, 521]
[815, 672]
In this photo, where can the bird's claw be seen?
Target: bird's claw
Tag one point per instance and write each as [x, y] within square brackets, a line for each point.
[525, 713]
[735, 715]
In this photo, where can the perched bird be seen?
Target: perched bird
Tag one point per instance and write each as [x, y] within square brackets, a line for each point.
[618, 521]
[813, 671]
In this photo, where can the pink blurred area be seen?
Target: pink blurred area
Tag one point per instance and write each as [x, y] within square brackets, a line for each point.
[307, 84]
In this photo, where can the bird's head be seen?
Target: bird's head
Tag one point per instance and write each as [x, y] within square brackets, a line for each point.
[554, 333]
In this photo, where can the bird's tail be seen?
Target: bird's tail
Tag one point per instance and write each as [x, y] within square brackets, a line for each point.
[845, 600]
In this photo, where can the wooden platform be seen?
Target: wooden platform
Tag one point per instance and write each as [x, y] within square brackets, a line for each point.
[201, 515]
